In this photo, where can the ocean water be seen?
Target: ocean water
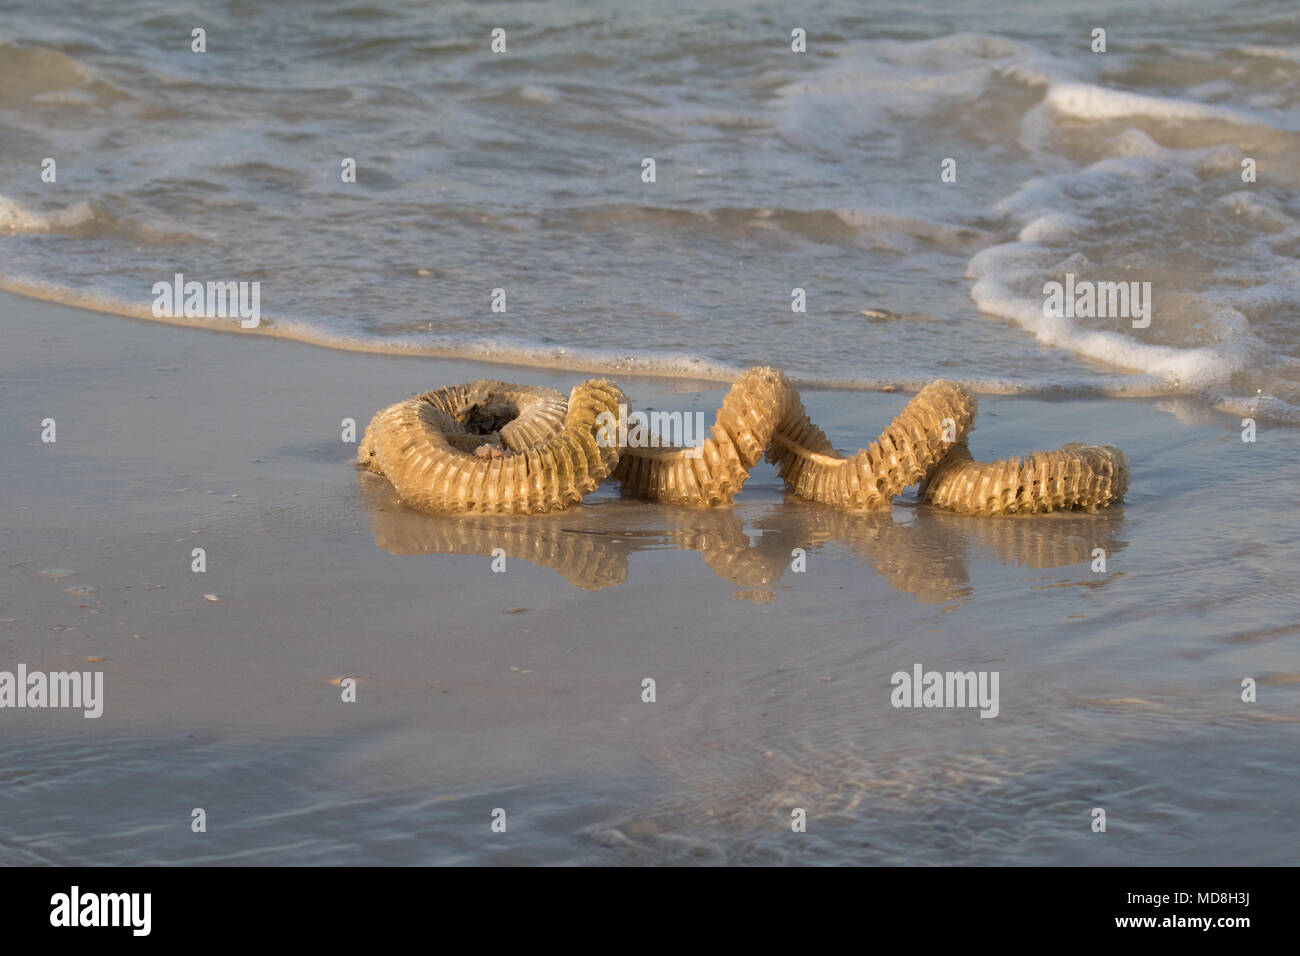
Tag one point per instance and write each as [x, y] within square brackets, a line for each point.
[775, 170]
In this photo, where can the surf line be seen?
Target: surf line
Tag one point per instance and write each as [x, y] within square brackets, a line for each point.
[211, 300]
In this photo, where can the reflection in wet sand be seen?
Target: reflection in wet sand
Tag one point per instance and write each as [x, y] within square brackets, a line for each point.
[751, 547]
[1038, 541]
[920, 558]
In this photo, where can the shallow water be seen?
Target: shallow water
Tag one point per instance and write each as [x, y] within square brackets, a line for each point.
[775, 170]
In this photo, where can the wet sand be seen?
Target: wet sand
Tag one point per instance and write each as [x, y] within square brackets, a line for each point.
[522, 690]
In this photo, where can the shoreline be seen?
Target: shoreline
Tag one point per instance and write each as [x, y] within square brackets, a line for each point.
[522, 359]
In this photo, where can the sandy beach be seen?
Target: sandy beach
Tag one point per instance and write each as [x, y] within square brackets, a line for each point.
[522, 690]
